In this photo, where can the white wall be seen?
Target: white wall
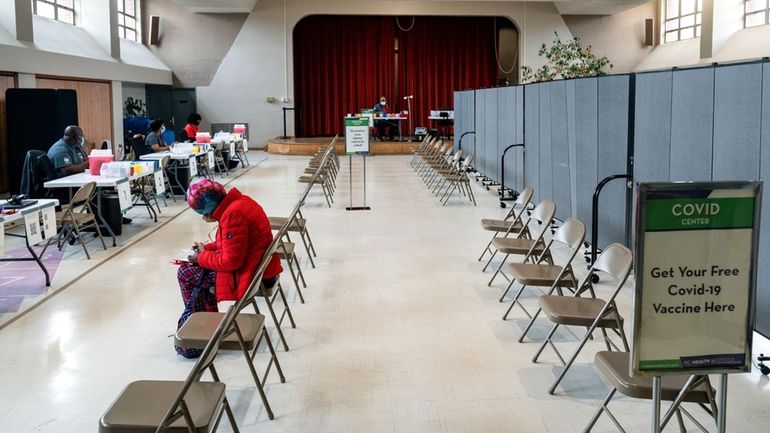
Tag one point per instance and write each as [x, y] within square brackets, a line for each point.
[620, 37]
[724, 40]
[133, 90]
[259, 63]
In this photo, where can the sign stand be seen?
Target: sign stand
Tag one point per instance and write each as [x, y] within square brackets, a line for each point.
[356, 143]
[695, 274]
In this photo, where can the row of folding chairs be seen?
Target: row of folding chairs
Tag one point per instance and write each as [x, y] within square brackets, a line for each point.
[526, 232]
[327, 178]
[194, 404]
[443, 170]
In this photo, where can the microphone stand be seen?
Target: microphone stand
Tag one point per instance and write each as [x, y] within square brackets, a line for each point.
[409, 113]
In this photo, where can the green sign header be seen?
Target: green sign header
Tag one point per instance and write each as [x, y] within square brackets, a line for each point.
[700, 213]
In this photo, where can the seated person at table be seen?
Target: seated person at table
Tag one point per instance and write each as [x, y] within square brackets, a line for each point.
[242, 237]
[67, 154]
[382, 109]
[154, 141]
[191, 129]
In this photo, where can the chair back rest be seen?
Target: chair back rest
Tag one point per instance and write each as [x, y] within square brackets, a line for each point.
[137, 145]
[571, 233]
[525, 196]
[616, 260]
[201, 365]
[83, 194]
[543, 213]
[448, 150]
[466, 163]
[456, 156]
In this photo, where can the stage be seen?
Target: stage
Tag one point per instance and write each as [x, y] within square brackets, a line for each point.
[309, 146]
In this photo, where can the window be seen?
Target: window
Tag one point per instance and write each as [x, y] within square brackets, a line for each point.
[60, 10]
[128, 24]
[683, 20]
[756, 13]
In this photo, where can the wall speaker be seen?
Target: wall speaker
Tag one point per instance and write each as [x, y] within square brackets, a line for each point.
[649, 32]
[154, 29]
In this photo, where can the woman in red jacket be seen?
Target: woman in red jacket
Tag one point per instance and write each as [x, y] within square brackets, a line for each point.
[242, 237]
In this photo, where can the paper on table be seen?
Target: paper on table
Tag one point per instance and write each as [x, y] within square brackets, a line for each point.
[2, 238]
[193, 167]
[160, 183]
[49, 222]
[32, 226]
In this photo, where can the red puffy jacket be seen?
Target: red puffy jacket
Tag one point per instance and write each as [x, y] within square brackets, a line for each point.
[243, 236]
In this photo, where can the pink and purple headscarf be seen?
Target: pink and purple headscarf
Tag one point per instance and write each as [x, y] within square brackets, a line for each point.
[205, 195]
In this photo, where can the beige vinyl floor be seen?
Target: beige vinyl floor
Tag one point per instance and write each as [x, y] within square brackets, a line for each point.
[400, 332]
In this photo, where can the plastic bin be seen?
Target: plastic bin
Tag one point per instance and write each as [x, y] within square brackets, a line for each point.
[95, 163]
[110, 211]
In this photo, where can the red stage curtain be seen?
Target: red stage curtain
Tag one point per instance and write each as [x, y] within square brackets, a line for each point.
[341, 64]
[440, 55]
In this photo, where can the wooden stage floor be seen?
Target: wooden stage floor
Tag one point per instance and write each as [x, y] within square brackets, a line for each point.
[308, 146]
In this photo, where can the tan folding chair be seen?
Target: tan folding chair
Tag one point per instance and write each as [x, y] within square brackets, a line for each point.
[245, 333]
[240, 152]
[299, 225]
[459, 181]
[219, 158]
[286, 250]
[442, 168]
[270, 295]
[590, 312]
[613, 367]
[543, 272]
[76, 217]
[523, 244]
[512, 221]
[192, 405]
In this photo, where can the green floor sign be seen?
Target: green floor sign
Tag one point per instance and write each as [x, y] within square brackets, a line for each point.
[696, 252]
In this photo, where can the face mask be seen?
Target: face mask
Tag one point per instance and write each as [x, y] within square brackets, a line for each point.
[80, 140]
[383, 102]
[162, 129]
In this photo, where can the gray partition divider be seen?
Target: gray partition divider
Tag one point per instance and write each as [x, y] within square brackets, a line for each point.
[510, 123]
[586, 145]
[532, 139]
[465, 117]
[737, 120]
[692, 124]
[491, 154]
[704, 123]
[479, 147]
[762, 323]
[545, 162]
[560, 164]
[612, 146]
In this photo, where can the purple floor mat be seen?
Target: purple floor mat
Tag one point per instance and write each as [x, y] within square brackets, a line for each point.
[20, 281]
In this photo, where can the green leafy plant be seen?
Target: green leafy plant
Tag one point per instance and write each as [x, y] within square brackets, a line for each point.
[566, 60]
[134, 107]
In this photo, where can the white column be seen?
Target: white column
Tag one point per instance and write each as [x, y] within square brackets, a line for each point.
[100, 19]
[721, 20]
[117, 116]
[17, 18]
[26, 81]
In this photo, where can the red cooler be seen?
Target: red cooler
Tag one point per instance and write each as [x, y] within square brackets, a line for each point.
[95, 163]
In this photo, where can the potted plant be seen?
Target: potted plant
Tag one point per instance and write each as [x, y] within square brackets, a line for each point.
[566, 60]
